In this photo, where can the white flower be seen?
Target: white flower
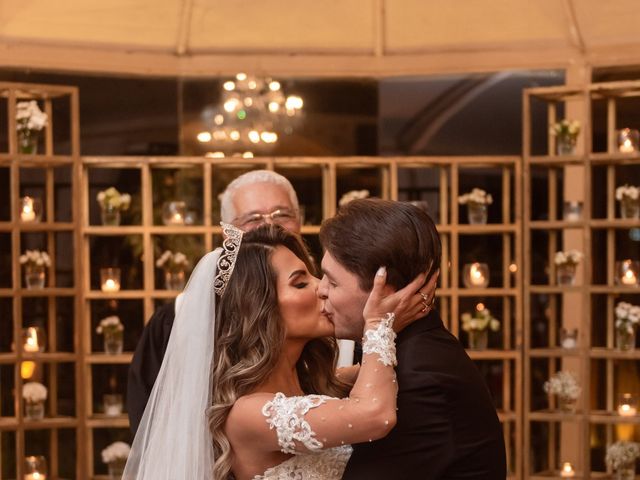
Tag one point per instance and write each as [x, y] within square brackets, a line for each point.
[35, 257]
[480, 320]
[172, 261]
[111, 323]
[30, 117]
[112, 198]
[476, 196]
[627, 316]
[34, 392]
[352, 195]
[116, 451]
[563, 384]
[622, 453]
[627, 192]
[572, 257]
[566, 129]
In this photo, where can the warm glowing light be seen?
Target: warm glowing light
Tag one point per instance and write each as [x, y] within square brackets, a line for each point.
[513, 268]
[204, 137]
[31, 340]
[629, 278]
[274, 86]
[229, 86]
[231, 104]
[247, 155]
[214, 155]
[252, 84]
[28, 213]
[234, 135]
[27, 369]
[627, 146]
[274, 107]
[567, 470]
[254, 136]
[480, 307]
[218, 119]
[241, 77]
[269, 137]
[248, 101]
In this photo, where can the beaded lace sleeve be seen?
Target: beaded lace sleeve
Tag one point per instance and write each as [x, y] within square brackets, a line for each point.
[286, 416]
[382, 341]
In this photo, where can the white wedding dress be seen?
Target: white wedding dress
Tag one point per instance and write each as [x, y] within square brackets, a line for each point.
[286, 416]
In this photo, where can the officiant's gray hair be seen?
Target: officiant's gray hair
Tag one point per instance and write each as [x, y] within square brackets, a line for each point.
[227, 209]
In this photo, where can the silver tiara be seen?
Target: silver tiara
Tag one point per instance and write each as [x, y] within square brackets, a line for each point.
[227, 259]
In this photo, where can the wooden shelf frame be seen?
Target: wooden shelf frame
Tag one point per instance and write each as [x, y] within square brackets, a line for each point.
[586, 290]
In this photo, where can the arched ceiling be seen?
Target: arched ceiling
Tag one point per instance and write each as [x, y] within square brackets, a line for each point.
[316, 38]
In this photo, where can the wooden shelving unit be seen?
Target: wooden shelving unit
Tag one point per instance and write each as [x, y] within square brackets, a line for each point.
[589, 305]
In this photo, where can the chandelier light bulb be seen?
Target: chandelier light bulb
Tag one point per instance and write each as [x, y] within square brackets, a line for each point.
[241, 77]
[274, 86]
[204, 137]
[218, 119]
[252, 84]
[248, 101]
[247, 155]
[214, 155]
[274, 107]
[229, 86]
[234, 135]
[231, 104]
[293, 102]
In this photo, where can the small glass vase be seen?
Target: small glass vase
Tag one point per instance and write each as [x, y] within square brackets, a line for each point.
[112, 404]
[28, 141]
[34, 276]
[565, 145]
[566, 274]
[116, 469]
[113, 340]
[477, 213]
[567, 404]
[625, 472]
[110, 215]
[34, 410]
[174, 279]
[630, 208]
[625, 339]
[478, 339]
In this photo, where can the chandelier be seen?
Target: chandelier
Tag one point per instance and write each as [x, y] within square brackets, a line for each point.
[252, 114]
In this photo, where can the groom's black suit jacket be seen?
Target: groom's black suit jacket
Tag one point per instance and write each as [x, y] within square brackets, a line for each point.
[447, 425]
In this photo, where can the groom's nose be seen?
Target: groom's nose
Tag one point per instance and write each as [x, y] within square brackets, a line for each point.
[322, 287]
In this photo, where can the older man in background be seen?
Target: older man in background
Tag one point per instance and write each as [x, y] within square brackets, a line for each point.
[252, 199]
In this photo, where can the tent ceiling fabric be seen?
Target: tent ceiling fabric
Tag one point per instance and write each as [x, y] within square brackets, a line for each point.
[307, 37]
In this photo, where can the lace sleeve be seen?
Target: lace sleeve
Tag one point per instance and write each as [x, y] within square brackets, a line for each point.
[286, 416]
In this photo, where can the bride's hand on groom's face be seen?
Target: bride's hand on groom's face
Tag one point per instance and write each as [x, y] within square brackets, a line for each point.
[410, 303]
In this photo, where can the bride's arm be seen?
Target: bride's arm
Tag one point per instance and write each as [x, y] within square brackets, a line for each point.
[309, 423]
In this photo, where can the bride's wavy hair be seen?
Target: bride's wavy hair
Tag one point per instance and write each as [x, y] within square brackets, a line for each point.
[250, 334]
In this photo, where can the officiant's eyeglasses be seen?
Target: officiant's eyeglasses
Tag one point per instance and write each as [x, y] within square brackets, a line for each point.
[280, 216]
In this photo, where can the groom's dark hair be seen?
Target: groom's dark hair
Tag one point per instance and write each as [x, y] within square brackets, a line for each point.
[370, 233]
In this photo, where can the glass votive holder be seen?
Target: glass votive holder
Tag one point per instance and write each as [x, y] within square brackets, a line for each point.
[33, 340]
[627, 272]
[567, 471]
[35, 468]
[628, 405]
[30, 209]
[110, 279]
[112, 404]
[173, 213]
[628, 140]
[569, 338]
[572, 211]
[475, 275]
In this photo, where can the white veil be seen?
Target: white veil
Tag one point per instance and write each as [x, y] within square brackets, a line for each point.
[173, 441]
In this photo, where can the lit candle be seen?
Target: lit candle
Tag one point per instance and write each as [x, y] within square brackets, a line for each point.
[629, 278]
[110, 285]
[28, 213]
[176, 219]
[476, 276]
[31, 341]
[35, 476]
[627, 407]
[626, 146]
[567, 470]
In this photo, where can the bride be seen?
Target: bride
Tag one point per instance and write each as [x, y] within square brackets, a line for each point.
[247, 388]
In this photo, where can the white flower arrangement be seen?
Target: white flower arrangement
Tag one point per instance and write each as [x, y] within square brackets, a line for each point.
[627, 192]
[110, 324]
[627, 316]
[117, 451]
[621, 454]
[171, 261]
[30, 117]
[480, 320]
[569, 129]
[476, 196]
[113, 199]
[569, 257]
[35, 258]
[563, 384]
[34, 392]
[353, 195]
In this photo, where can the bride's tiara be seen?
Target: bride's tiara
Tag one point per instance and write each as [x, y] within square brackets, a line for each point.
[227, 259]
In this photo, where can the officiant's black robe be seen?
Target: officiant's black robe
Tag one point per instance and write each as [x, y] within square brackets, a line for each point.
[447, 424]
[147, 360]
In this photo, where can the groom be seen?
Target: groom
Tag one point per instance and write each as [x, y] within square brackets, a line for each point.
[447, 425]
